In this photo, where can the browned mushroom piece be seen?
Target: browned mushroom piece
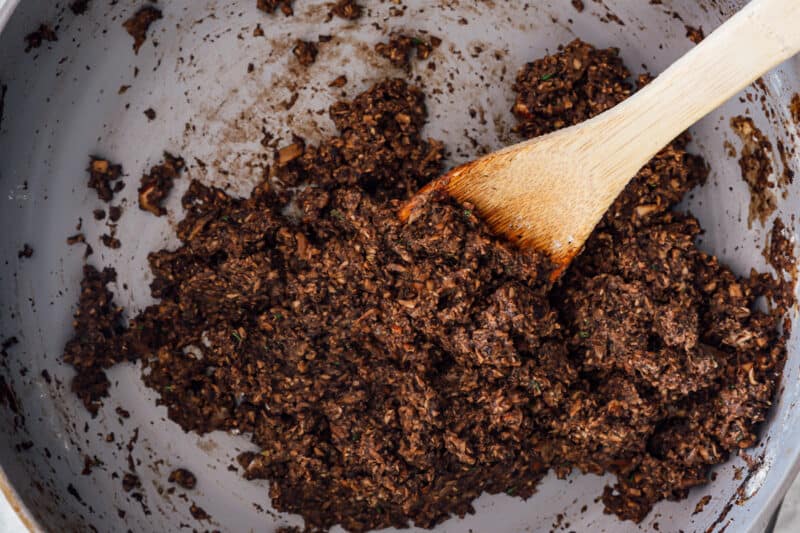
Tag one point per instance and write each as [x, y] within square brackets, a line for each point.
[156, 184]
[400, 48]
[138, 24]
[110, 241]
[347, 9]
[103, 177]
[338, 81]
[183, 478]
[305, 52]
[269, 6]
[289, 153]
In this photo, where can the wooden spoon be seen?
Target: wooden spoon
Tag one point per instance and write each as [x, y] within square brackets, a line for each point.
[548, 193]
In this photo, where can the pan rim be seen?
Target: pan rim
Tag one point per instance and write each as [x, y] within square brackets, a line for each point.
[6, 9]
[17, 503]
[7, 491]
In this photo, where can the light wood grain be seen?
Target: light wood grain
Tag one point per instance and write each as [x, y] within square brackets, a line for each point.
[549, 192]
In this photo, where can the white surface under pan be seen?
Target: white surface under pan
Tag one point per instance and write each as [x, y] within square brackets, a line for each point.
[63, 103]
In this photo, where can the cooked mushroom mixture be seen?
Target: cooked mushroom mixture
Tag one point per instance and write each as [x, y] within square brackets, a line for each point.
[757, 168]
[183, 477]
[305, 52]
[269, 6]
[347, 9]
[389, 373]
[400, 48]
[155, 186]
[105, 178]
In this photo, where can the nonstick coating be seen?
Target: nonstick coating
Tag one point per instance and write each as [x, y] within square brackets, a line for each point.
[63, 103]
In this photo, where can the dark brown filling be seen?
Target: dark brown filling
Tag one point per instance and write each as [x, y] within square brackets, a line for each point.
[391, 372]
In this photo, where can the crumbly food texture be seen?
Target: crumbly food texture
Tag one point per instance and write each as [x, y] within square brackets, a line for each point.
[391, 372]
[105, 178]
[155, 186]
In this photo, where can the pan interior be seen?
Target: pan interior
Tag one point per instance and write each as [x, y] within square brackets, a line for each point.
[64, 102]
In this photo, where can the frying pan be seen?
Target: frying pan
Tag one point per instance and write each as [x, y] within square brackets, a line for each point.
[63, 102]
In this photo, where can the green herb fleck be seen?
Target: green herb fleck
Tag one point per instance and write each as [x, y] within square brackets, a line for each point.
[170, 388]
[277, 316]
[335, 213]
[547, 76]
[535, 386]
[467, 213]
[235, 335]
[417, 41]
[226, 218]
[511, 490]
[355, 437]
[655, 267]
[583, 334]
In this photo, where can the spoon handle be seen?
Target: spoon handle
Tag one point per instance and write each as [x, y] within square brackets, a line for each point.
[757, 38]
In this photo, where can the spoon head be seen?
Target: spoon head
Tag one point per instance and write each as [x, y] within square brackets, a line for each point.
[492, 186]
